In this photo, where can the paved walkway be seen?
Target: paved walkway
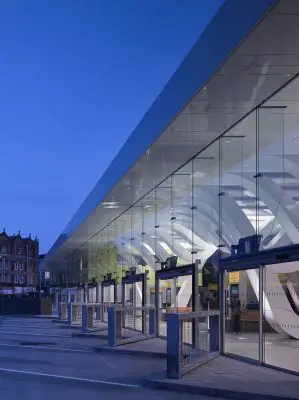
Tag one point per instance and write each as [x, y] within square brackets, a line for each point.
[34, 348]
[33, 365]
[230, 378]
[14, 387]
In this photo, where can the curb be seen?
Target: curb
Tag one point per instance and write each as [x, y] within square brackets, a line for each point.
[129, 352]
[172, 385]
[64, 326]
[91, 334]
[57, 320]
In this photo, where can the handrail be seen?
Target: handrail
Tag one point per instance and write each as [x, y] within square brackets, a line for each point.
[197, 314]
[187, 348]
[119, 307]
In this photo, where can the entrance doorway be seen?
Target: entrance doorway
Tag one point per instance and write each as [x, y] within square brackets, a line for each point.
[242, 314]
[264, 326]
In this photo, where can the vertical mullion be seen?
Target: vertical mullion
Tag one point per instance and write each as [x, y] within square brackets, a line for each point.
[261, 314]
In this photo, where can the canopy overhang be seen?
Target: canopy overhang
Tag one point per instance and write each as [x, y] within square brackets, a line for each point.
[249, 50]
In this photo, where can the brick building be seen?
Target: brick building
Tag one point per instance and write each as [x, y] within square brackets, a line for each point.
[18, 261]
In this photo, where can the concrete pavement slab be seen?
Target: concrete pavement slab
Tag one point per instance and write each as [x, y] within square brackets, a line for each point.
[230, 378]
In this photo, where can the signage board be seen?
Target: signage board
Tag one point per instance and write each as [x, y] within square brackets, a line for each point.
[234, 278]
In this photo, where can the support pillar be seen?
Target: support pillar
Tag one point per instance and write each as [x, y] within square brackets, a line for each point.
[56, 301]
[63, 311]
[114, 326]
[195, 298]
[214, 333]
[173, 346]
[173, 294]
[152, 321]
[87, 318]
[98, 293]
[111, 327]
[85, 294]
[69, 313]
[157, 306]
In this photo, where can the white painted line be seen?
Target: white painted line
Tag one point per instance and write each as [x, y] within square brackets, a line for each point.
[45, 347]
[70, 378]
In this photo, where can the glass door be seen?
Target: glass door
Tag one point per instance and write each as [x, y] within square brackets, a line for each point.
[281, 315]
[242, 313]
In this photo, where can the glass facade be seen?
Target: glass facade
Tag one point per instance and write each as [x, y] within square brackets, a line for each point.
[244, 183]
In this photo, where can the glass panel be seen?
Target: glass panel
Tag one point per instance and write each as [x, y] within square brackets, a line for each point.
[148, 243]
[242, 313]
[205, 226]
[84, 256]
[137, 253]
[112, 260]
[278, 165]
[163, 227]
[181, 217]
[281, 315]
[238, 182]
[271, 177]
[179, 291]
[95, 247]
[164, 245]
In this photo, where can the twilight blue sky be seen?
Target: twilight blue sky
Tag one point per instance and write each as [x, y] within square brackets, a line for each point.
[76, 76]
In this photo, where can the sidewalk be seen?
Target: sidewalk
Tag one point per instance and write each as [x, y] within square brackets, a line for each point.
[154, 347]
[142, 363]
[229, 378]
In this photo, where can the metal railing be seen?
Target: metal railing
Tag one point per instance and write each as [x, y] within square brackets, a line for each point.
[104, 314]
[74, 313]
[128, 324]
[88, 316]
[191, 339]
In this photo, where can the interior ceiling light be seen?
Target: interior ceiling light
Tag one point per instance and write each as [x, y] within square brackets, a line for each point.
[110, 204]
[247, 193]
[148, 248]
[199, 174]
[185, 245]
[166, 247]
